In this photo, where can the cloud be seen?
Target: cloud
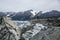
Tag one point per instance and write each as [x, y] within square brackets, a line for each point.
[22, 5]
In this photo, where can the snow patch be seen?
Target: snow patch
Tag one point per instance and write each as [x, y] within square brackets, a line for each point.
[33, 12]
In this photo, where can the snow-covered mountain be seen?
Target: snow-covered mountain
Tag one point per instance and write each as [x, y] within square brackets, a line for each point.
[50, 14]
[34, 13]
[11, 14]
[26, 15]
[38, 14]
[31, 14]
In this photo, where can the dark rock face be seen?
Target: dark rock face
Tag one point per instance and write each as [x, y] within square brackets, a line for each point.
[5, 34]
[26, 15]
[49, 34]
[51, 14]
[38, 15]
[2, 14]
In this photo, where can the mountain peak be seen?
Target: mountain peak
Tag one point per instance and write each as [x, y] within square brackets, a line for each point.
[33, 12]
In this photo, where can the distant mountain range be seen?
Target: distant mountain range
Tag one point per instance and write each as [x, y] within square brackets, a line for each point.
[26, 15]
[50, 14]
[30, 14]
[2, 14]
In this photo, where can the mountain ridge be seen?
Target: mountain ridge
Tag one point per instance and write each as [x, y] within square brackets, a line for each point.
[31, 14]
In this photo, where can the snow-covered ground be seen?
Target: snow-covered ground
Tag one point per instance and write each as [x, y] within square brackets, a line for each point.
[36, 29]
[22, 24]
[29, 33]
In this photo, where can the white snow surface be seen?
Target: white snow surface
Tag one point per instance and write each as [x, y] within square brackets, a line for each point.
[22, 24]
[36, 29]
[30, 33]
[33, 12]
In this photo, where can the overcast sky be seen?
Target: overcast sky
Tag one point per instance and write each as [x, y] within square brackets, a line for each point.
[22, 5]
